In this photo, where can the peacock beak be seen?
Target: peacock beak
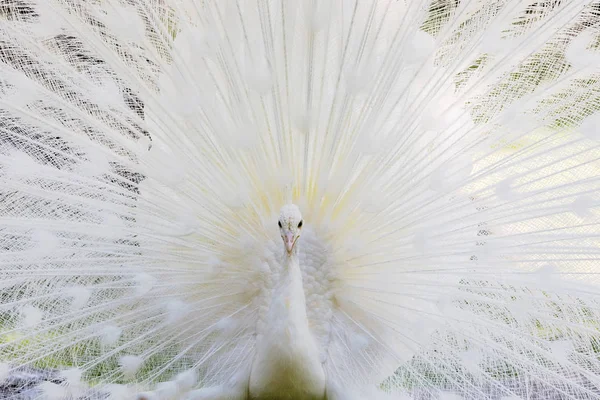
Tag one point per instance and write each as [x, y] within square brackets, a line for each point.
[289, 240]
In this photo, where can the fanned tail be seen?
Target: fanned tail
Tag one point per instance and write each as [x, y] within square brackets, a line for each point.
[444, 157]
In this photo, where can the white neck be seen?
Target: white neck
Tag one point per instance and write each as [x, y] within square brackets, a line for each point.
[289, 293]
[286, 318]
[287, 357]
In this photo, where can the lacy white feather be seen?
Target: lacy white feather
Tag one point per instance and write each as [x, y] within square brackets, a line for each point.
[443, 154]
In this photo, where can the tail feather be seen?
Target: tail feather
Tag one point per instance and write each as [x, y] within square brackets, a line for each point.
[443, 154]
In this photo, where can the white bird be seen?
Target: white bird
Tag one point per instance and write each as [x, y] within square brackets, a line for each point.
[273, 199]
[287, 362]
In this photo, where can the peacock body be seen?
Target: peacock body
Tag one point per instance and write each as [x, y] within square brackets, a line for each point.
[275, 199]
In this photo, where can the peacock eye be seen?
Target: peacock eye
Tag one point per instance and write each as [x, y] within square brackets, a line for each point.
[300, 224]
[279, 223]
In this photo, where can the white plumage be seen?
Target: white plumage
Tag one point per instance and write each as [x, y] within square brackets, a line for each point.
[442, 155]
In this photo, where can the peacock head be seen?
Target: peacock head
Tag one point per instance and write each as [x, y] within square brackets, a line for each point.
[290, 226]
